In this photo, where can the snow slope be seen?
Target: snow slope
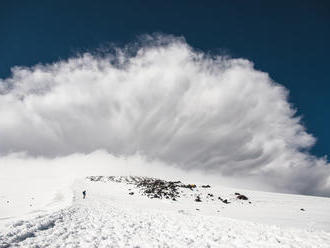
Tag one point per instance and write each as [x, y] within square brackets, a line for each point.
[21, 198]
[111, 217]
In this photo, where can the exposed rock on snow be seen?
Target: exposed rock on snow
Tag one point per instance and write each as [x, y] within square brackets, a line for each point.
[152, 187]
[242, 197]
[113, 217]
[223, 200]
[198, 199]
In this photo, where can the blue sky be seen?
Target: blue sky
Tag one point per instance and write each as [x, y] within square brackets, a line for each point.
[287, 39]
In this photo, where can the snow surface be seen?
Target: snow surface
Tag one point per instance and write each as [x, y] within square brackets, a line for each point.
[111, 217]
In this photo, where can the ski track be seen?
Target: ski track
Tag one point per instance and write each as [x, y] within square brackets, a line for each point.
[90, 223]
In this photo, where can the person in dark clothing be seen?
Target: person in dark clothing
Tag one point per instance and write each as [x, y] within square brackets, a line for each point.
[84, 194]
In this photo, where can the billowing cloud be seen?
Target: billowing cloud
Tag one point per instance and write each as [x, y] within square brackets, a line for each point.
[169, 103]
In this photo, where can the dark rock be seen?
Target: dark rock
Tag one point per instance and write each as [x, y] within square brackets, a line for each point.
[188, 186]
[206, 186]
[302, 209]
[242, 197]
[150, 187]
[223, 200]
[131, 193]
[176, 182]
[198, 199]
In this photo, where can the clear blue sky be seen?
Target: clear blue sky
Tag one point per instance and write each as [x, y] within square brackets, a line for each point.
[288, 39]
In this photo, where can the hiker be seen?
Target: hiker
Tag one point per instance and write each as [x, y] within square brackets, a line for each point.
[84, 194]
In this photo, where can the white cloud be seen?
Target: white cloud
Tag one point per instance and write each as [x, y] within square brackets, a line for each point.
[169, 103]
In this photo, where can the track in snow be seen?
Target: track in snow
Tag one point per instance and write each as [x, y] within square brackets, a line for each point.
[103, 220]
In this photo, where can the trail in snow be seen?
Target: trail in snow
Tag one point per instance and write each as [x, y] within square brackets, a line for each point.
[109, 217]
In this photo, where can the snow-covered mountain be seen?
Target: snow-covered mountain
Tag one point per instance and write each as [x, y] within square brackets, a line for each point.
[148, 212]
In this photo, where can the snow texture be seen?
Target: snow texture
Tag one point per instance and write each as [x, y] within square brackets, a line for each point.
[111, 217]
